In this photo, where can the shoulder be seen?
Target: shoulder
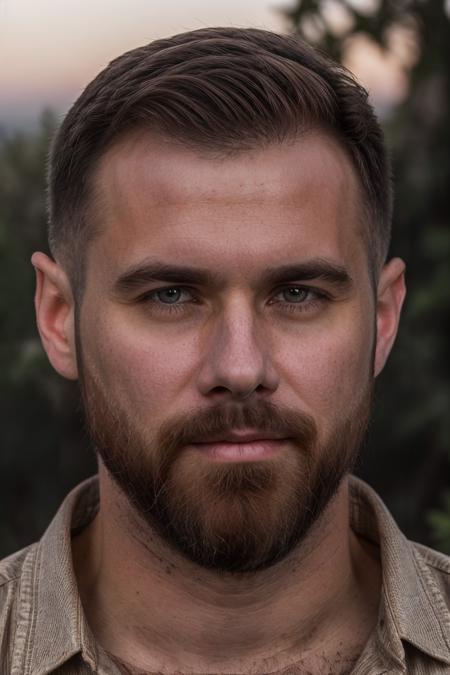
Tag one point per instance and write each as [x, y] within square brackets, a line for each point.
[12, 563]
[13, 570]
[11, 567]
[15, 575]
[434, 559]
[435, 565]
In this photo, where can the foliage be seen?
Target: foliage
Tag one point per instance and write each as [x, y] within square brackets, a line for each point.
[41, 454]
[408, 452]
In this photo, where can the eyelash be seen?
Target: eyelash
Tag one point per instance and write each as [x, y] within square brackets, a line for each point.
[167, 307]
[319, 297]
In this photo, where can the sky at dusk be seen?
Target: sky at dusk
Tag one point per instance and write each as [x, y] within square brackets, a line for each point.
[50, 49]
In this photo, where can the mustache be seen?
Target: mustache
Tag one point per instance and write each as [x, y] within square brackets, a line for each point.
[200, 425]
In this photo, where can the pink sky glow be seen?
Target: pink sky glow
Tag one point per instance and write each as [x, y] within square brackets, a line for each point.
[50, 49]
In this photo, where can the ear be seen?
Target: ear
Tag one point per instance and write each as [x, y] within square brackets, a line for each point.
[390, 295]
[55, 315]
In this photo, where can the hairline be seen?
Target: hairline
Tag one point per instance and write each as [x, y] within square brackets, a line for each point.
[91, 197]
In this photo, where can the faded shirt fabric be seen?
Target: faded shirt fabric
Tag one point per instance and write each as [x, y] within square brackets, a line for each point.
[43, 628]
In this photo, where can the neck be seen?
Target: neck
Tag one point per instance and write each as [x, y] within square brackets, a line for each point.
[150, 607]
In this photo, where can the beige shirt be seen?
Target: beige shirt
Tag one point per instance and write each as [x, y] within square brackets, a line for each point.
[43, 629]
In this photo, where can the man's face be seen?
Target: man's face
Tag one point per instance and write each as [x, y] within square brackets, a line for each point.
[227, 336]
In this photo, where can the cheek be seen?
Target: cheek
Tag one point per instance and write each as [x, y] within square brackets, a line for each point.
[328, 372]
[140, 371]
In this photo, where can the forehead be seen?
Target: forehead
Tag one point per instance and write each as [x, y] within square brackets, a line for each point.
[155, 197]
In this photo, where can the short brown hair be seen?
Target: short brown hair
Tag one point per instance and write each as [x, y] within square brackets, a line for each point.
[217, 89]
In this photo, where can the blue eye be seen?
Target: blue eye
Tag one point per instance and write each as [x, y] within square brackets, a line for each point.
[304, 299]
[295, 294]
[169, 296]
[169, 301]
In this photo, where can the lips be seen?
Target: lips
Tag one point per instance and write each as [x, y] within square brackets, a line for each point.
[242, 436]
[242, 446]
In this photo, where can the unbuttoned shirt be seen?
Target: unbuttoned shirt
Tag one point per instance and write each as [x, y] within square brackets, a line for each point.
[43, 628]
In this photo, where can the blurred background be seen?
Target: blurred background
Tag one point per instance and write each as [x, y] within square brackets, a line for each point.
[400, 51]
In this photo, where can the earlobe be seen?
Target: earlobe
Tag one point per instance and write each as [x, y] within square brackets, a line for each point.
[390, 296]
[55, 315]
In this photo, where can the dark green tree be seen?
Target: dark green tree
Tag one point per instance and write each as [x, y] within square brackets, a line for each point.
[42, 455]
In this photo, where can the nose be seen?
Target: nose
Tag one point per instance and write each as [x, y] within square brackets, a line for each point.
[237, 360]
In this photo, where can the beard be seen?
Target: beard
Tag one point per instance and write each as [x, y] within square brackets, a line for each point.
[232, 516]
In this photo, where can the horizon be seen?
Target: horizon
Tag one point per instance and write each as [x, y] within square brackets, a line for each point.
[55, 49]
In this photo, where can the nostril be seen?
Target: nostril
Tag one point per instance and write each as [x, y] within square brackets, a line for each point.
[219, 390]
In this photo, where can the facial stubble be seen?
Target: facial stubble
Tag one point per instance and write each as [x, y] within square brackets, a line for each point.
[234, 516]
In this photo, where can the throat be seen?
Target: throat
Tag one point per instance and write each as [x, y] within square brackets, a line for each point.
[154, 612]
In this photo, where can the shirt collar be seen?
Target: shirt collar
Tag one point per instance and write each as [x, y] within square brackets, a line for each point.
[412, 608]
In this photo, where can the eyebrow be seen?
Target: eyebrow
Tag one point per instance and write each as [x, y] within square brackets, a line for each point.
[319, 269]
[144, 273]
[147, 272]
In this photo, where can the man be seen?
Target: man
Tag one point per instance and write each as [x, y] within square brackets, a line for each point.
[220, 213]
